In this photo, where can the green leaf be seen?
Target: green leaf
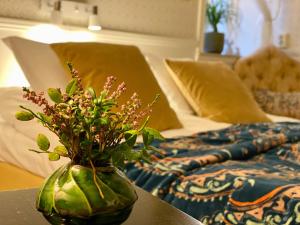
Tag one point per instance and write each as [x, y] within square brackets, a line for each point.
[44, 117]
[71, 87]
[24, 116]
[135, 155]
[43, 142]
[55, 95]
[64, 139]
[120, 154]
[126, 127]
[130, 137]
[53, 156]
[61, 150]
[104, 121]
[124, 148]
[147, 138]
[150, 134]
[118, 159]
[92, 92]
[154, 133]
[85, 143]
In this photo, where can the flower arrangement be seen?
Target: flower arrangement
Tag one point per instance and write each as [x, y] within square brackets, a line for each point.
[90, 128]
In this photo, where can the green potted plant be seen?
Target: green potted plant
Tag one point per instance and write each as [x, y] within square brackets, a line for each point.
[98, 137]
[215, 13]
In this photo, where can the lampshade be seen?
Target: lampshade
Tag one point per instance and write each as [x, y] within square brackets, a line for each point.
[94, 20]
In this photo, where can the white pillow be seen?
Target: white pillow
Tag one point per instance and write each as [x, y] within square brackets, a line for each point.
[167, 84]
[38, 62]
[16, 137]
[11, 98]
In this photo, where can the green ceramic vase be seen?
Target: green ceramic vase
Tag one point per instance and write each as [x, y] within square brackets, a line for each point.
[70, 196]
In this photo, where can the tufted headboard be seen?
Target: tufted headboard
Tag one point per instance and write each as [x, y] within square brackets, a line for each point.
[269, 68]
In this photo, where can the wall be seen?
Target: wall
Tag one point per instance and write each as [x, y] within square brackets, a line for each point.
[175, 18]
[250, 35]
[289, 22]
[257, 29]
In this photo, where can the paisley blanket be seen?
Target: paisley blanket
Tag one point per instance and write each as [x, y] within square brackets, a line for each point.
[245, 174]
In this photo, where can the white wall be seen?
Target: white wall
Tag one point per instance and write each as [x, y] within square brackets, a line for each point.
[256, 31]
[175, 18]
[289, 22]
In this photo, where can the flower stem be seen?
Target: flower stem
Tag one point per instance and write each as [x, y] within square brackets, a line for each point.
[95, 180]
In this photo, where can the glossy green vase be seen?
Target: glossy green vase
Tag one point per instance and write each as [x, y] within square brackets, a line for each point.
[70, 196]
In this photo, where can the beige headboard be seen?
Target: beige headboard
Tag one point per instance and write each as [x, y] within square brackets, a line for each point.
[269, 68]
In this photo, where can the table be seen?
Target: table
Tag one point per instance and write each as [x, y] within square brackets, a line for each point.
[18, 208]
[228, 59]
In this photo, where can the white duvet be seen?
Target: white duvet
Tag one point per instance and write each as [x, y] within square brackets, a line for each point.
[16, 137]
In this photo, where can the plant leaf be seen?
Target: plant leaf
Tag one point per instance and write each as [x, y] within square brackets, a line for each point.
[71, 87]
[53, 156]
[24, 116]
[46, 118]
[147, 138]
[118, 159]
[61, 150]
[55, 95]
[43, 142]
[85, 143]
[104, 121]
[92, 92]
[130, 137]
[135, 155]
[154, 133]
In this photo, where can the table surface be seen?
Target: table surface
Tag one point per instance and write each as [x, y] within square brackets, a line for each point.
[18, 208]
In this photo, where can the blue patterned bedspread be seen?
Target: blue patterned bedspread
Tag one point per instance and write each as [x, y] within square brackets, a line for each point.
[245, 174]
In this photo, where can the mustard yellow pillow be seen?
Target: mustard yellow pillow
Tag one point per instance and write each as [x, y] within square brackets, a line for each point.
[215, 91]
[96, 61]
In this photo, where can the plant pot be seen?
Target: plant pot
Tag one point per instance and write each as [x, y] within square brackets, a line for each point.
[70, 196]
[214, 42]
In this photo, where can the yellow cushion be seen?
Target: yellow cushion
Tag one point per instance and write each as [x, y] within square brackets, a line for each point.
[96, 61]
[215, 91]
[12, 177]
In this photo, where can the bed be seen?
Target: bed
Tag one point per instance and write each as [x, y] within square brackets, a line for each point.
[216, 172]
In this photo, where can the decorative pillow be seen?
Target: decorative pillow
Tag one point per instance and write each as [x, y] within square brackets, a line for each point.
[38, 62]
[95, 61]
[278, 103]
[216, 92]
[167, 84]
